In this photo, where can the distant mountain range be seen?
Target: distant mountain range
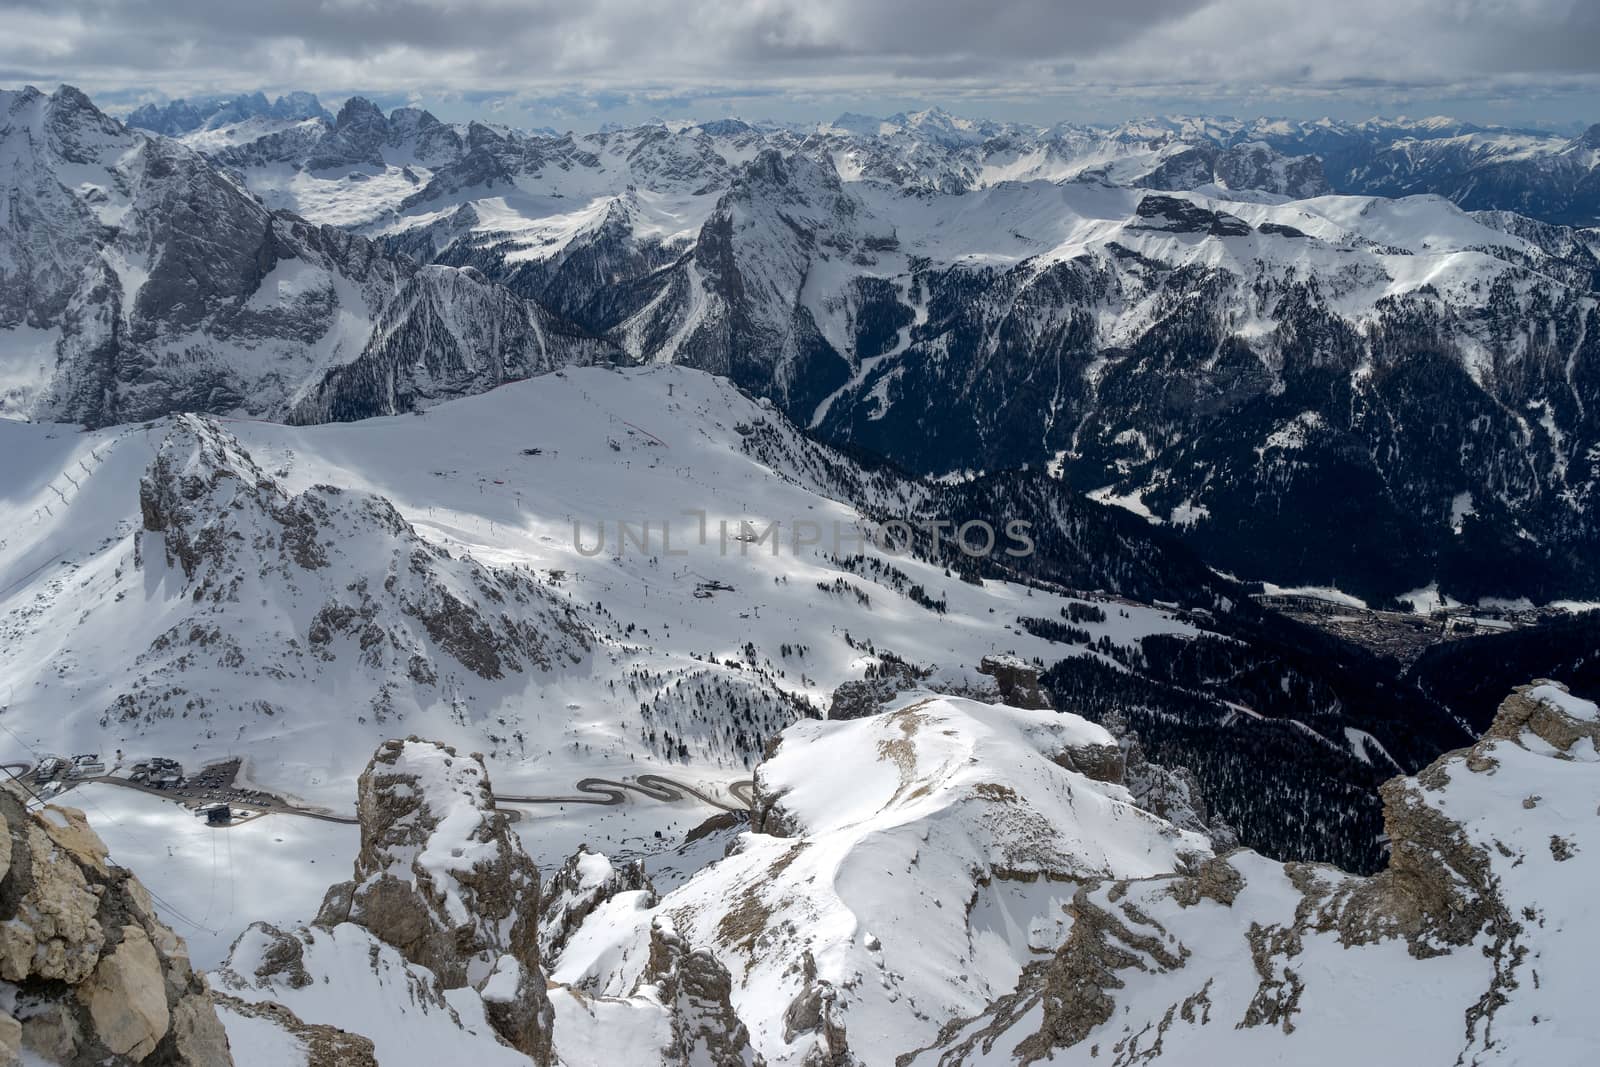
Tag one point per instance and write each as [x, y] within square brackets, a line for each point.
[1385, 393]
[178, 117]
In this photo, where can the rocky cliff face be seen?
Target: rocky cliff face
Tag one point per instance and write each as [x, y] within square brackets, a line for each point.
[143, 279]
[441, 878]
[156, 282]
[696, 991]
[447, 332]
[583, 884]
[1239, 953]
[233, 547]
[88, 972]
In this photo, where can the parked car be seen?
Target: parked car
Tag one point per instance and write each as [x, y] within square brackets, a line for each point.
[157, 772]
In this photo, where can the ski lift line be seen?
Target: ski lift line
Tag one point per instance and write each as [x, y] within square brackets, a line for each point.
[30, 574]
[23, 785]
[169, 909]
[646, 432]
[211, 897]
[37, 757]
[110, 820]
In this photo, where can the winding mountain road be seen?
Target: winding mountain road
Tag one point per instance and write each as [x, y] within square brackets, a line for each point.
[607, 793]
[602, 792]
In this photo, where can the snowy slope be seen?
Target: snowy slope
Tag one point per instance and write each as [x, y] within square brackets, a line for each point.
[1469, 948]
[667, 659]
[920, 857]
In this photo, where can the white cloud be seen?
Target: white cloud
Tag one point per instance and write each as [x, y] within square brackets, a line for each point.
[996, 51]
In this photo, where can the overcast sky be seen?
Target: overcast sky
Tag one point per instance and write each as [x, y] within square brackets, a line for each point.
[578, 63]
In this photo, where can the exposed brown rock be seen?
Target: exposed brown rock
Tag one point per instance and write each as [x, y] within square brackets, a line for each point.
[325, 1046]
[1521, 712]
[697, 991]
[1018, 682]
[468, 920]
[96, 977]
[1438, 895]
[1103, 763]
[1079, 984]
[810, 1016]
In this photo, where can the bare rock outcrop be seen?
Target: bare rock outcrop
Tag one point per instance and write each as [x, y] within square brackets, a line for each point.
[441, 878]
[811, 1015]
[998, 679]
[1172, 792]
[586, 881]
[696, 990]
[1018, 681]
[883, 682]
[324, 1046]
[88, 972]
[1477, 897]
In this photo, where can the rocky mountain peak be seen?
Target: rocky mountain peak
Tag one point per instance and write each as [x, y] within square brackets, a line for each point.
[774, 169]
[441, 878]
[358, 111]
[178, 117]
[696, 990]
[69, 98]
[1590, 138]
[76, 129]
[584, 882]
[250, 561]
[408, 121]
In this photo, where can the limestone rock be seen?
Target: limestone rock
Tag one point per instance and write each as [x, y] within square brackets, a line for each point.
[87, 968]
[325, 1046]
[810, 1016]
[586, 881]
[1476, 902]
[125, 997]
[441, 878]
[696, 990]
[10, 1040]
[883, 682]
[1018, 682]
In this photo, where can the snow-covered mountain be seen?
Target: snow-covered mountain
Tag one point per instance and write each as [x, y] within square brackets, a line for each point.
[955, 882]
[1166, 313]
[960, 295]
[177, 117]
[203, 584]
[990, 812]
[298, 593]
[621, 491]
[1547, 176]
[137, 279]
[1245, 960]
[1213, 359]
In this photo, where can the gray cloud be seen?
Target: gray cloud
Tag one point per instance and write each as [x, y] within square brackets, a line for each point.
[868, 50]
